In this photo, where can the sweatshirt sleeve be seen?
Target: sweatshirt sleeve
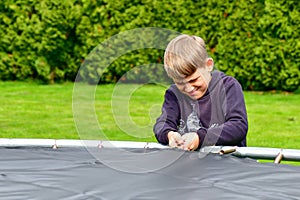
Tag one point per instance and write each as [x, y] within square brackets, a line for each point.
[169, 118]
[234, 130]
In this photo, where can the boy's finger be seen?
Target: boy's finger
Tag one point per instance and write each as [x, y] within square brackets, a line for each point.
[172, 143]
[192, 147]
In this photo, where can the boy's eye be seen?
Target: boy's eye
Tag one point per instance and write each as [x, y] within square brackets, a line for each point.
[192, 81]
[180, 83]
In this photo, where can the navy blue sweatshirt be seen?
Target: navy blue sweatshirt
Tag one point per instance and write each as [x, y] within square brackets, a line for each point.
[219, 117]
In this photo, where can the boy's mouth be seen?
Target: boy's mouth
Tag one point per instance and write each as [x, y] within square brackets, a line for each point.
[193, 92]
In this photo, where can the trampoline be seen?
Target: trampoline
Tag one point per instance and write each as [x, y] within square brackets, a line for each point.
[72, 169]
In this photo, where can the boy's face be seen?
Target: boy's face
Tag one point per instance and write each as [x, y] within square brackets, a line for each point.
[196, 84]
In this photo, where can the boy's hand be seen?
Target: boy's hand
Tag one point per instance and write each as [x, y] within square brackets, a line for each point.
[191, 141]
[175, 140]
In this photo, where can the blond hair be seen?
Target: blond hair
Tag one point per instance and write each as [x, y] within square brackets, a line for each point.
[184, 55]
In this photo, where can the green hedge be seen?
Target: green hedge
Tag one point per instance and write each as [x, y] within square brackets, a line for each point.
[256, 41]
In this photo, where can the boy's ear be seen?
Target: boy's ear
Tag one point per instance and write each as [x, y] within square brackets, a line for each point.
[209, 64]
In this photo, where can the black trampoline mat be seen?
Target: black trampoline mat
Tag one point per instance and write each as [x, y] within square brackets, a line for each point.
[74, 173]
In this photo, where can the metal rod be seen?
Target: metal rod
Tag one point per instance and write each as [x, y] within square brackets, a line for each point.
[57, 143]
[251, 152]
[268, 153]
[256, 152]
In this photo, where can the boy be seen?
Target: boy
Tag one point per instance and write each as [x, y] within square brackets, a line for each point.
[203, 107]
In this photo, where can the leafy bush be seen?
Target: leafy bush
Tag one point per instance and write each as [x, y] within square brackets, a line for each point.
[256, 41]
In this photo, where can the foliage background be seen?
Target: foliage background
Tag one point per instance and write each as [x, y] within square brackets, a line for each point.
[256, 41]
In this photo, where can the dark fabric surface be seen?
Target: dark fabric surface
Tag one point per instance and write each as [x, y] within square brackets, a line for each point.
[74, 173]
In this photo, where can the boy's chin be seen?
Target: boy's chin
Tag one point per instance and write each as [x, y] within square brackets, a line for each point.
[196, 96]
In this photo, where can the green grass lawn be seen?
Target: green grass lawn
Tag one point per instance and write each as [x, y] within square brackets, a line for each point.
[274, 119]
[30, 110]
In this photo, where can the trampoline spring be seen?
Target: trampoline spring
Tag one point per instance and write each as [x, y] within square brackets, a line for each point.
[226, 151]
[100, 145]
[278, 157]
[146, 145]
